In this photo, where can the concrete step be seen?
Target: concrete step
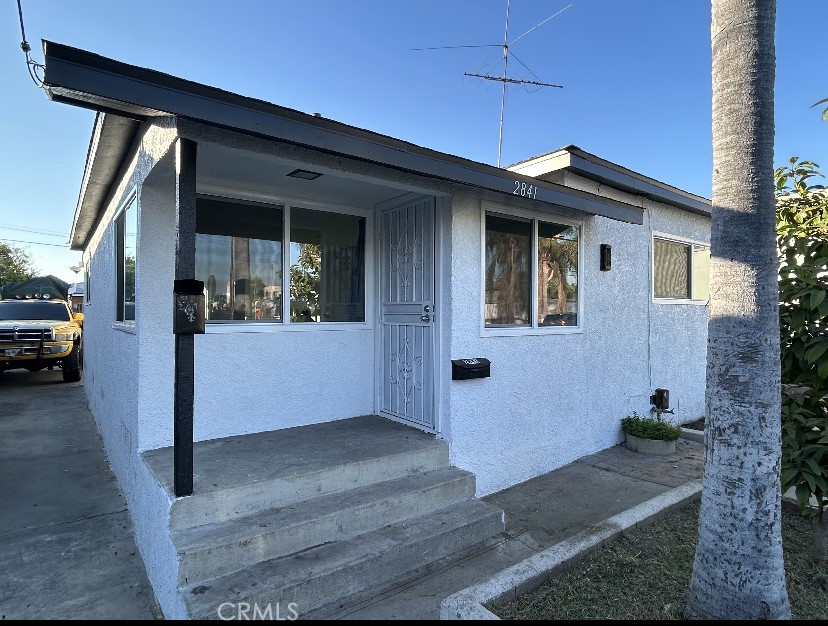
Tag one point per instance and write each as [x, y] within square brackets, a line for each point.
[240, 476]
[320, 575]
[213, 550]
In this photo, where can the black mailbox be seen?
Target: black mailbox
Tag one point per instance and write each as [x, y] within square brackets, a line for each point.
[464, 369]
[188, 317]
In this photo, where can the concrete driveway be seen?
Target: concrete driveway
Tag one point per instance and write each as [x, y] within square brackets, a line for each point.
[67, 546]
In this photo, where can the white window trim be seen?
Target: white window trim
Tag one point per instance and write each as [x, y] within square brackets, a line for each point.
[534, 329]
[117, 324]
[683, 241]
[287, 203]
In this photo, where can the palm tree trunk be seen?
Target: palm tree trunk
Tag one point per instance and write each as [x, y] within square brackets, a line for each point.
[738, 571]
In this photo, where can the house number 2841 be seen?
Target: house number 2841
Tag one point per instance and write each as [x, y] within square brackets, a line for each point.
[527, 191]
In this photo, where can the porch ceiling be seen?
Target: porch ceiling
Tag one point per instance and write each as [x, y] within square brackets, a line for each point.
[224, 170]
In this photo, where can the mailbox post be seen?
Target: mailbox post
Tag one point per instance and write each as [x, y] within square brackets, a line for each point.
[188, 320]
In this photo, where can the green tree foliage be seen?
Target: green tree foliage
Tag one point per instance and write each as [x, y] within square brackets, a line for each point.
[802, 227]
[15, 265]
[305, 278]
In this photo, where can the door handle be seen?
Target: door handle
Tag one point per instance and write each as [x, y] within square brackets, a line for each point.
[425, 318]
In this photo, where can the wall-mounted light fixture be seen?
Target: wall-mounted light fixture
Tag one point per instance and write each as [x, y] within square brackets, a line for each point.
[305, 174]
[606, 257]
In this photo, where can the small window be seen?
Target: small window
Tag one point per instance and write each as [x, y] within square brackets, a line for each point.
[87, 288]
[681, 271]
[126, 231]
[531, 277]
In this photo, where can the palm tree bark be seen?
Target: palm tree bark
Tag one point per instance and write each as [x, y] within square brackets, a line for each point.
[738, 571]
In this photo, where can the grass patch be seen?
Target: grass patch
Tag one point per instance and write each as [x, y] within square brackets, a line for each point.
[643, 575]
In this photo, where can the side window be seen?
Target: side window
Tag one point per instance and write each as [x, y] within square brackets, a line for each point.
[126, 231]
[87, 288]
[681, 271]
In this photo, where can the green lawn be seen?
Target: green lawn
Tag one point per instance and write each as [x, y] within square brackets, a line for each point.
[643, 575]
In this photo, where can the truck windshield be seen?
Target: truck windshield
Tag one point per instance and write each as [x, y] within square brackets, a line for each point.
[27, 310]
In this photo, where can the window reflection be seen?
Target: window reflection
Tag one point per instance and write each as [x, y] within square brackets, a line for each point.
[557, 275]
[508, 275]
[239, 258]
[327, 267]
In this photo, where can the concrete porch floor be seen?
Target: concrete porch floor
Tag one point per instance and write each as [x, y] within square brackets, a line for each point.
[247, 459]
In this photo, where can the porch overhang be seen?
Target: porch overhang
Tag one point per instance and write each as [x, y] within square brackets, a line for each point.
[88, 80]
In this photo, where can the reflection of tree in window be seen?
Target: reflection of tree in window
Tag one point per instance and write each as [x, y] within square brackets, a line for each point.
[508, 245]
[557, 270]
[305, 283]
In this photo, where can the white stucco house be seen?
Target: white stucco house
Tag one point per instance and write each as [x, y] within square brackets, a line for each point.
[343, 271]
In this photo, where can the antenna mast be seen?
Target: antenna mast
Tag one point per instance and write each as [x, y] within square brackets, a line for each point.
[505, 78]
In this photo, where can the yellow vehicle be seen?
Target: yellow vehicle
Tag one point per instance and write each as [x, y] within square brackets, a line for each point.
[39, 333]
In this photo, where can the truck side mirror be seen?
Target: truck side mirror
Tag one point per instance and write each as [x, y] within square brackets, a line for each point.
[78, 317]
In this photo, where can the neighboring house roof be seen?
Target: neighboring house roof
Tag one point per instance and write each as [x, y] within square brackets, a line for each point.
[125, 95]
[573, 159]
[50, 284]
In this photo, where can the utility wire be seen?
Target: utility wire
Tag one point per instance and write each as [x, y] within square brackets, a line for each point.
[31, 65]
[37, 243]
[36, 232]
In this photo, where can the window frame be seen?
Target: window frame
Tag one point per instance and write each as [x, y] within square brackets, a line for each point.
[693, 244]
[119, 252]
[535, 216]
[87, 287]
[287, 203]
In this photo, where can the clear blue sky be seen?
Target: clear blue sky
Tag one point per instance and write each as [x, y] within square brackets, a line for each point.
[636, 77]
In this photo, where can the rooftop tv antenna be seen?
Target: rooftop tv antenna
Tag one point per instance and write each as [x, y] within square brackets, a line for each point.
[505, 79]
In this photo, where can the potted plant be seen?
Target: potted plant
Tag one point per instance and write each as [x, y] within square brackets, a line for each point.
[651, 435]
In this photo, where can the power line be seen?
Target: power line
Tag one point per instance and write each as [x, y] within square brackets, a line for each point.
[37, 243]
[31, 65]
[49, 233]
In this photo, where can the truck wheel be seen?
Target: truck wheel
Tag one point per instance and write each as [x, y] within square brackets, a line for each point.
[71, 365]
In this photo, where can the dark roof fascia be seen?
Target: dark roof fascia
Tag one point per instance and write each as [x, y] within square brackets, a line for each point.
[112, 137]
[89, 80]
[600, 170]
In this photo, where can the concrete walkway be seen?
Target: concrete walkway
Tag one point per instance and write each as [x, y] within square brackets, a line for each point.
[66, 542]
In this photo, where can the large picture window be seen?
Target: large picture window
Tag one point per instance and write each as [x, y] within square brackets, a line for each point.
[681, 271]
[530, 273]
[126, 257]
[241, 256]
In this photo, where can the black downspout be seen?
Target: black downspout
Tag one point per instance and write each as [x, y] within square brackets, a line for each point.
[185, 226]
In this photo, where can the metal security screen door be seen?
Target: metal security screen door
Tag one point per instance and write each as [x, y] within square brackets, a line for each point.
[407, 312]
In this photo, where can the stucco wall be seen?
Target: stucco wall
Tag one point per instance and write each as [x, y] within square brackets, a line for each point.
[114, 363]
[556, 397]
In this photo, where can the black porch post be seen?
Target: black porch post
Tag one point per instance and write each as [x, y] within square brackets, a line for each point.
[185, 226]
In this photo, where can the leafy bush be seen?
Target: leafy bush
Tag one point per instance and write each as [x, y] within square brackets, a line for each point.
[650, 428]
[802, 230]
